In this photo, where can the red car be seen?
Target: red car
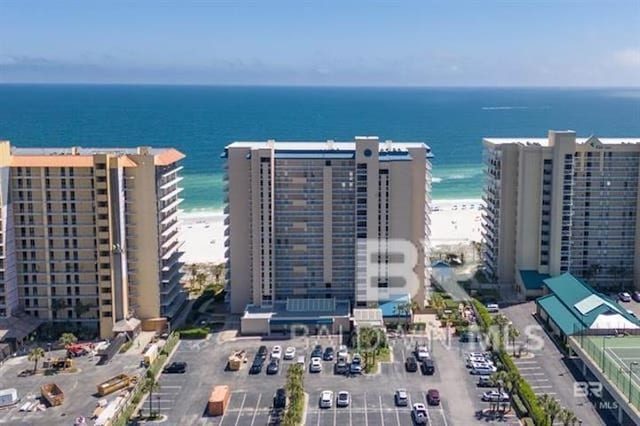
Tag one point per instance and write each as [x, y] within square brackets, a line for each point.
[433, 397]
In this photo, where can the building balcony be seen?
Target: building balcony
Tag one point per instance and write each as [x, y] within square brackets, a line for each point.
[171, 193]
[174, 204]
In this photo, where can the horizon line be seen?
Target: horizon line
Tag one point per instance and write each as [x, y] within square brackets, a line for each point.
[318, 86]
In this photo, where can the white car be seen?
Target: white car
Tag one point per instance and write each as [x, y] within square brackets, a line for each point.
[343, 400]
[401, 398]
[276, 352]
[478, 355]
[493, 308]
[419, 414]
[422, 353]
[316, 365]
[342, 352]
[483, 370]
[290, 353]
[476, 360]
[495, 396]
[301, 360]
[326, 399]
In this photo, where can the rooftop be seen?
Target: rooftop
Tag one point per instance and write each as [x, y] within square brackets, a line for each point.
[301, 308]
[579, 141]
[574, 306]
[533, 280]
[386, 146]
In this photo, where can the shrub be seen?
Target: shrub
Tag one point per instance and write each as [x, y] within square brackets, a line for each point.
[484, 317]
[519, 406]
[528, 421]
[126, 346]
[193, 333]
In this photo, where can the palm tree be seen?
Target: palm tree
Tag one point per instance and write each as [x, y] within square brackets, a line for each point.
[34, 355]
[513, 334]
[499, 378]
[437, 302]
[218, 270]
[67, 339]
[58, 305]
[81, 308]
[501, 322]
[551, 406]
[201, 279]
[151, 385]
[511, 384]
[567, 417]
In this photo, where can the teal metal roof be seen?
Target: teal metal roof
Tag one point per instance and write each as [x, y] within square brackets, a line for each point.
[533, 280]
[574, 305]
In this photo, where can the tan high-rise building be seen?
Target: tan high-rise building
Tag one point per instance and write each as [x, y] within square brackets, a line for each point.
[562, 204]
[301, 214]
[90, 235]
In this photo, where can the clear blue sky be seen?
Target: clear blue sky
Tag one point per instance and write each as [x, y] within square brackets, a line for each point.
[448, 43]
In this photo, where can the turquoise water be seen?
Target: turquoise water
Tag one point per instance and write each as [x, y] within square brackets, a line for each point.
[200, 121]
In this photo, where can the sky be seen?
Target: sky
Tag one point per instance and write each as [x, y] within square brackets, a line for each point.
[324, 43]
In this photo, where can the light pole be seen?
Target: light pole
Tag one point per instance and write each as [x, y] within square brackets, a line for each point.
[604, 349]
[631, 365]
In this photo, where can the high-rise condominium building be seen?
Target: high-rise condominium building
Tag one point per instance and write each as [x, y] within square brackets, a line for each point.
[562, 204]
[90, 235]
[301, 213]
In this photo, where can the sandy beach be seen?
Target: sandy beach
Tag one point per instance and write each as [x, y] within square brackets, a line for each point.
[452, 222]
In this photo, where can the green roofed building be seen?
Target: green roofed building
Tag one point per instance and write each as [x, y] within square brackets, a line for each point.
[573, 306]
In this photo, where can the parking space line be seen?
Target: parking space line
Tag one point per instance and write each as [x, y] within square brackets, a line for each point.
[366, 420]
[319, 415]
[350, 416]
[244, 397]
[335, 407]
[253, 419]
[381, 410]
[443, 415]
[397, 416]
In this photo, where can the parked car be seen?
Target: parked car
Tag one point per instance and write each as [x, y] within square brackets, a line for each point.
[328, 354]
[419, 414]
[427, 367]
[401, 398]
[280, 399]
[635, 295]
[433, 397]
[256, 367]
[495, 396]
[341, 367]
[343, 352]
[486, 382]
[356, 364]
[624, 296]
[411, 365]
[326, 399]
[474, 360]
[317, 352]
[422, 353]
[276, 352]
[262, 352]
[301, 360]
[469, 336]
[316, 365]
[343, 400]
[176, 367]
[483, 370]
[493, 308]
[290, 353]
[274, 366]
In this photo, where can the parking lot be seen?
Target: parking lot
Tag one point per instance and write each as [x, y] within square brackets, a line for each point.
[79, 387]
[183, 397]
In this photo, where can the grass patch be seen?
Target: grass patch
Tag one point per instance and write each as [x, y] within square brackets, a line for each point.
[193, 333]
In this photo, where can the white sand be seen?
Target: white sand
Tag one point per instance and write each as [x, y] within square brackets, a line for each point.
[452, 221]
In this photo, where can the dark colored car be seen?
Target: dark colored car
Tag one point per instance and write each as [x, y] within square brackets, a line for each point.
[176, 367]
[411, 365]
[433, 397]
[328, 354]
[427, 367]
[317, 352]
[469, 337]
[262, 352]
[273, 367]
[635, 295]
[256, 367]
[280, 399]
[341, 367]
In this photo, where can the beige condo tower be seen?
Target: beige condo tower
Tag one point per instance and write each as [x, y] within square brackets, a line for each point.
[562, 204]
[90, 235]
[300, 214]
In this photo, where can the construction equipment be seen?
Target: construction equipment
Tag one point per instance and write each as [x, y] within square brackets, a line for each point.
[218, 400]
[57, 363]
[52, 394]
[118, 382]
[236, 359]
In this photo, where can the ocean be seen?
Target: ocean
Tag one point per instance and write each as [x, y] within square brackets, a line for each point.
[201, 120]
